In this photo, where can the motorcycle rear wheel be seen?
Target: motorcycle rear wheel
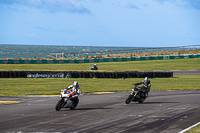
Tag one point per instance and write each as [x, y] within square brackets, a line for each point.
[76, 101]
[59, 104]
[128, 100]
[141, 100]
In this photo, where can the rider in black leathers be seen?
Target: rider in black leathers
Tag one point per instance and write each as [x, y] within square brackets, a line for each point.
[146, 85]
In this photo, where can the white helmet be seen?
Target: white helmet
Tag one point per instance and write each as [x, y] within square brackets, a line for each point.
[75, 84]
[146, 79]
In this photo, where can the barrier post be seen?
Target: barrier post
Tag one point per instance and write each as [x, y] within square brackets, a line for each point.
[33, 62]
[160, 57]
[55, 62]
[66, 61]
[44, 62]
[96, 60]
[86, 60]
[76, 60]
[10, 61]
[115, 59]
[21, 61]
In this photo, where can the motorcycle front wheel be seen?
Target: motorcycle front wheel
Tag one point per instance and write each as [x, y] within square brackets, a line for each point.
[59, 104]
[128, 100]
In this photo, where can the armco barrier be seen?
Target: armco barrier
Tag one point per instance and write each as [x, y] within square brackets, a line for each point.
[83, 74]
[120, 59]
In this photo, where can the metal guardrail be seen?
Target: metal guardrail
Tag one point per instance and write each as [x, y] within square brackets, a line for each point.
[128, 51]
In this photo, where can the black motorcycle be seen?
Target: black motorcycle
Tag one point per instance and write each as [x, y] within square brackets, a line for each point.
[138, 94]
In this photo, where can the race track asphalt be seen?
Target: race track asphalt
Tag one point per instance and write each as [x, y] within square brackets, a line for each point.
[161, 112]
[186, 72]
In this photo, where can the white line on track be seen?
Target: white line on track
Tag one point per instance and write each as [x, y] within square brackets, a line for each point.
[187, 129]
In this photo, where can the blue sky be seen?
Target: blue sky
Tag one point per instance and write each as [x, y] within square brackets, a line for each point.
[133, 23]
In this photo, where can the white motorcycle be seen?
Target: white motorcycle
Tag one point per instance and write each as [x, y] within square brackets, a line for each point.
[67, 100]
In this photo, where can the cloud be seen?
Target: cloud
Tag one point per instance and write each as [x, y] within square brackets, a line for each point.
[194, 4]
[51, 5]
[161, 1]
[132, 6]
[186, 3]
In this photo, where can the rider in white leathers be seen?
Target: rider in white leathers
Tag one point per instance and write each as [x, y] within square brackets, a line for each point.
[75, 88]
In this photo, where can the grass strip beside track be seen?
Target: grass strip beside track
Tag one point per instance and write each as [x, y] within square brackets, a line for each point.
[52, 86]
[148, 65]
[195, 130]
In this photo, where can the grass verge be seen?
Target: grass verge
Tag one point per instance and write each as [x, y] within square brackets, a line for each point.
[195, 130]
[148, 65]
[52, 86]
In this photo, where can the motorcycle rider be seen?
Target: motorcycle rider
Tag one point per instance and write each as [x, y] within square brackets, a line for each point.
[75, 88]
[94, 67]
[146, 85]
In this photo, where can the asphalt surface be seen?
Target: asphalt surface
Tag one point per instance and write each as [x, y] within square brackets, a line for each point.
[161, 112]
[186, 72]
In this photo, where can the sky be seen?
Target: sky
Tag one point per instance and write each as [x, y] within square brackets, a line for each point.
[119, 23]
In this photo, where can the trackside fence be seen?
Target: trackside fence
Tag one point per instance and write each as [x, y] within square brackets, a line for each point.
[96, 60]
[128, 51]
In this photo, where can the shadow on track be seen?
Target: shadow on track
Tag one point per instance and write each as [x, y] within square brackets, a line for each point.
[91, 108]
[79, 109]
[158, 102]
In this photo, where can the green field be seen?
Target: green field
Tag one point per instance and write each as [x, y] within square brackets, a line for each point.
[148, 65]
[195, 130]
[52, 86]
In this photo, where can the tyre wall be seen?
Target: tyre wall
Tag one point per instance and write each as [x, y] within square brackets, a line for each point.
[84, 74]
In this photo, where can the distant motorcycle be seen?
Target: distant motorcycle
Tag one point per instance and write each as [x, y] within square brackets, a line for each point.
[67, 100]
[137, 95]
[94, 67]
